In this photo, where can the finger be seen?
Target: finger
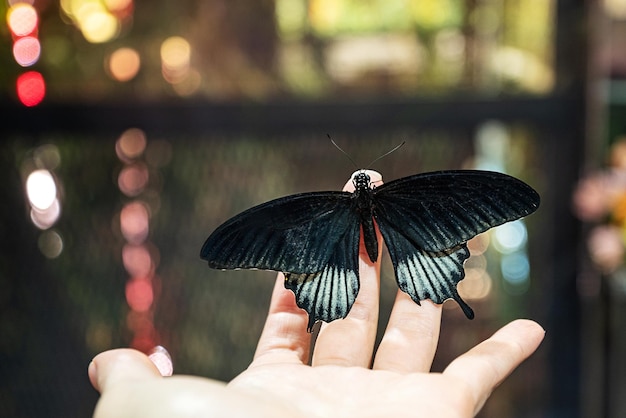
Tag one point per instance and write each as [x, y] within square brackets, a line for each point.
[284, 337]
[350, 342]
[411, 337]
[486, 365]
[111, 367]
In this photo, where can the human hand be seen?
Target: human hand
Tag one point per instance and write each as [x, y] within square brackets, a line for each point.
[343, 378]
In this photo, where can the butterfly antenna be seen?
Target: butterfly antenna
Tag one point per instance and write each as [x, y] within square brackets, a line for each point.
[386, 154]
[344, 153]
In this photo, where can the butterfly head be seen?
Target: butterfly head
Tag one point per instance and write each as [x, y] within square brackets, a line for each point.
[366, 179]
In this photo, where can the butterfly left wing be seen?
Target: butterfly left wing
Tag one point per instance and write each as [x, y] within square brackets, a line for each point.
[330, 293]
[424, 274]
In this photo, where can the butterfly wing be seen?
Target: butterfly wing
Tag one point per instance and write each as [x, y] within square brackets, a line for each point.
[296, 234]
[312, 237]
[423, 274]
[440, 210]
[330, 293]
[426, 220]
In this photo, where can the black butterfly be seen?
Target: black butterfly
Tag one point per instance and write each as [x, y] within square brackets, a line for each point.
[425, 220]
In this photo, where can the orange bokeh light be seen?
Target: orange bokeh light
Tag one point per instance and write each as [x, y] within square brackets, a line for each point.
[131, 144]
[124, 64]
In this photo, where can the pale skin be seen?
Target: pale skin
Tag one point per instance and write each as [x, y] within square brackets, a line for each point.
[343, 379]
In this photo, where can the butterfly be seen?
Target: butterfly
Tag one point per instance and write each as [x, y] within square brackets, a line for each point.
[425, 221]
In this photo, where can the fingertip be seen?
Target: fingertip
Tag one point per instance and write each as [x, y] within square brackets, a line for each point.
[528, 332]
[486, 365]
[113, 366]
[92, 372]
[376, 179]
[529, 324]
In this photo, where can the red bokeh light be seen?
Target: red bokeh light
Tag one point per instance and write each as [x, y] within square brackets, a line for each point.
[139, 294]
[31, 88]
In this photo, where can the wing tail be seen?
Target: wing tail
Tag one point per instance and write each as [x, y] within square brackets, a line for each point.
[424, 274]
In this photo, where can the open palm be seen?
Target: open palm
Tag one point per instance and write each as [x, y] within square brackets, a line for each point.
[341, 381]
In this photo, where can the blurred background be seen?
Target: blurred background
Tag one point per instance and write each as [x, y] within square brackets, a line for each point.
[131, 129]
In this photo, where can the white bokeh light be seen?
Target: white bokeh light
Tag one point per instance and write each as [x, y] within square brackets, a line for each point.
[41, 189]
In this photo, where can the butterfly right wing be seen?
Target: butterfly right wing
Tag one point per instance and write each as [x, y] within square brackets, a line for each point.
[295, 234]
[313, 238]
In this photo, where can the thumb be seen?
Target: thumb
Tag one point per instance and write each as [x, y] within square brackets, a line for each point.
[115, 366]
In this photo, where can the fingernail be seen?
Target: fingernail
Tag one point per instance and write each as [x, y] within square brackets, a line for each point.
[161, 358]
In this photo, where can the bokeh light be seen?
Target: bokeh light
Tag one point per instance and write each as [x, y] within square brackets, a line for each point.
[137, 260]
[139, 294]
[47, 156]
[41, 189]
[615, 8]
[118, 6]
[26, 51]
[516, 269]
[479, 244]
[134, 221]
[45, 218]
[99, 20]
[131, 144]
[133, 179]
[31, 88]
[50, 244]
[476, 285]
[42, 193]
[98, 25]
[124, 64]
[144, 334]
[189, 84]
[510, 237]
[175, 59]
[22, 19]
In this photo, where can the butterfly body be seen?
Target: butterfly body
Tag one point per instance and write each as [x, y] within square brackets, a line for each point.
[425, 221]
[364, 206]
